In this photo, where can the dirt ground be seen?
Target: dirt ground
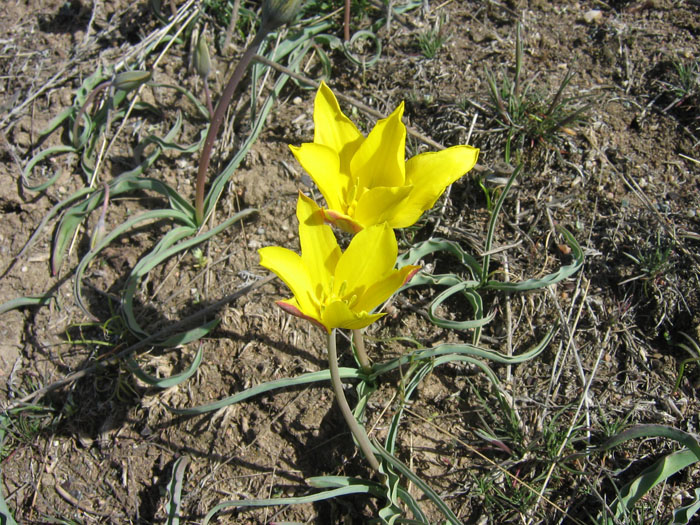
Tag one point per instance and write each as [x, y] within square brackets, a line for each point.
[623, 179]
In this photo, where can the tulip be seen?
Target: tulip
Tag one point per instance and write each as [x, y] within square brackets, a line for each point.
[335, 289]
[367, 181]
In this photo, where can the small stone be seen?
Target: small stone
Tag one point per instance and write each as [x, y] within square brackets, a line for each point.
[254, 245]
[594, 16]
[260, 231]
[296, 101]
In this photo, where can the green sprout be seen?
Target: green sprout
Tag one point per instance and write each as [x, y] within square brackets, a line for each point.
[431, 41]
[652, 263]
[525, 116]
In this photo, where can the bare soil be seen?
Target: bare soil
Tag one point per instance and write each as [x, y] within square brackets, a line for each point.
[624, 181]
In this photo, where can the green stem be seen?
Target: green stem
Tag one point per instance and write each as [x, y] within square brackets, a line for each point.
[360, 351]
[357, 430]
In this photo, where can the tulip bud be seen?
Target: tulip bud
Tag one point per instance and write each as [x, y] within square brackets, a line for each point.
[202, 62]
[130, 80]
[279, 12]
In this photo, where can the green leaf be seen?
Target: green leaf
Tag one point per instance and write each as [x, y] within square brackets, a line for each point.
[116, 232]
[683, 515]
[649, 431]
[563, 273]
[194, 334]
[473, 298]
[311, 498]
[72, 218]
[167, 382]
[21, 302]
[48, 152]
[659, 472]
[310, 377]
[486, 259]
[425, 248]
[160, 253]
[458, 350]
[424, 487]
[6, 517]
[175, 490]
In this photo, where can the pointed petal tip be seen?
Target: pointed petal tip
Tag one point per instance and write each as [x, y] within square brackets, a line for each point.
[342, 221]
[412, 273]
[294, 310]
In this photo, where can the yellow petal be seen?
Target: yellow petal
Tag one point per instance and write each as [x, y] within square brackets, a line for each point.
[323, 165]
[319, 249]
[338, 315]
[289, 267]
[380, 205]
[380, 159]
[333, 128]
[429, 174]
[369, 258]
[380, 291]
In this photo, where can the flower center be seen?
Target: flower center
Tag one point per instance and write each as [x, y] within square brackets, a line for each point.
[329, 296]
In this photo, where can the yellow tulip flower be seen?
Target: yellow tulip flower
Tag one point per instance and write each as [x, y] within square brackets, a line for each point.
[335, 289]
[367, 181]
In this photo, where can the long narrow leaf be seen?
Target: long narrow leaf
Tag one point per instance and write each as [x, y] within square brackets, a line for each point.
[473, 298]
[119, 230]
[189, 336]
[461, 349]
[486, 260]
[175, 490]
[425, 248]
[147, 263]
[74, 216]
[660, 471]
[310, 377]
[21, 302]
[311, 498]
[683, 515]
[427, 490]
[649, 431]
[165, 382]
[6, 517]
[48, 152]
[563, 273]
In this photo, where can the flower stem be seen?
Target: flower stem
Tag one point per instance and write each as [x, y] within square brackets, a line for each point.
[218, 117]
[357, 430]
[360, 351]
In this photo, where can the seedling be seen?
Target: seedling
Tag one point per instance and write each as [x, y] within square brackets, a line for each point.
[527, 117]
[432, 40]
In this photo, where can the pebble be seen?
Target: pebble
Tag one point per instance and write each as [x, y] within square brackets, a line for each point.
[254, 245]
[594, 16]
[296, 101]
